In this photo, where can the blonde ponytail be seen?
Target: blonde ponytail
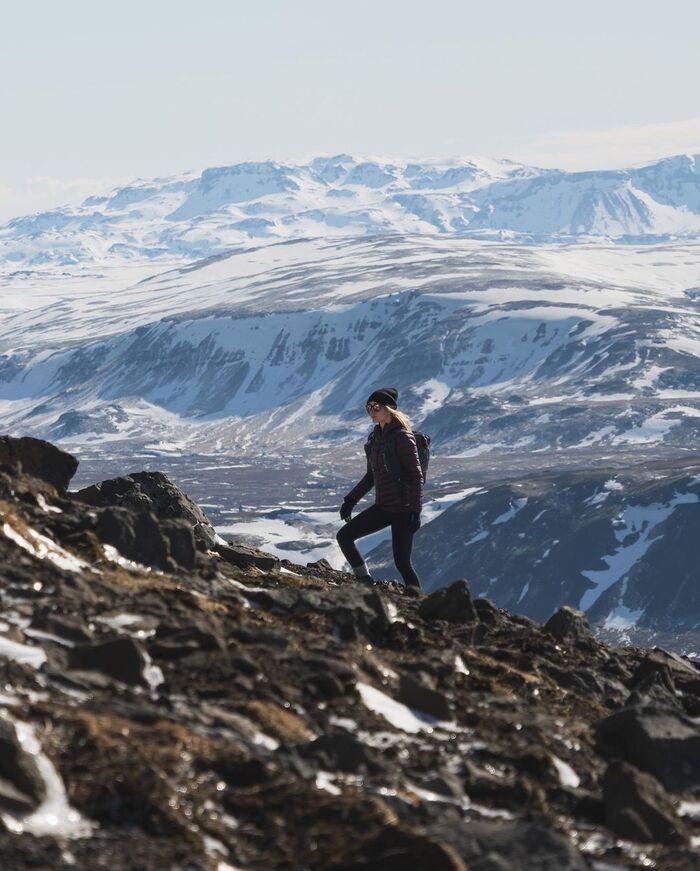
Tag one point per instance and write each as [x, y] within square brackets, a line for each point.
[401, 417]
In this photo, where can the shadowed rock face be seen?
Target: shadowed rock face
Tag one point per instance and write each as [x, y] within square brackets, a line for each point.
[40, 459]
[151, 491]
[274, 716]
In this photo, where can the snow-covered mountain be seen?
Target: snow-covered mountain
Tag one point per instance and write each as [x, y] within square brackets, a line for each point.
[198, 215]
[245, 313]
[494, 347]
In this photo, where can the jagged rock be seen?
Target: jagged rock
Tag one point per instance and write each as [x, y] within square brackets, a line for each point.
[283, 600]
[377, 603]
[638, 808]
[343, 753]
[151, 492]
[40, 459]
[656, 687]
[569, 624]
[181, 538]
[121, 658]
[137, 536]
[487, 612]
[21, 783]
[453, 603]
[656, 739]
[520, 845]
[243, 556]
[683, 673]
[398, 848]
[173, 642]
[363, 616]
[417, 695]
[64, 625]
[347, 623]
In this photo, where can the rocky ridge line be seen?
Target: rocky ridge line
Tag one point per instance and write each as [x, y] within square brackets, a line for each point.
[170, 700]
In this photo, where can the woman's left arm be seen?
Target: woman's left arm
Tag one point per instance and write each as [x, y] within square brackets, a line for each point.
[411, 471]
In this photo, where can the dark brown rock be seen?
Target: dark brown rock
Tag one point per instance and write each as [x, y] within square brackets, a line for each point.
[421, 697]
[181, 538]
[343, 753]
[14, 801]
[121, 659]
[151, 492]
[173, 642]
[516, 845]
[656, 687]
[453, 604]
[683, 674]
[657, 739]
[397, 849]
[569, 624]
[638, 808]
[66, 626]
[18, 769]
[487, 612]
[243, 556]
[137, 536]
[39, 459]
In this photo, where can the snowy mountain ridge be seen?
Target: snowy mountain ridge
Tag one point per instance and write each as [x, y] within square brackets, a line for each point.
[494, 347]
[196, 215]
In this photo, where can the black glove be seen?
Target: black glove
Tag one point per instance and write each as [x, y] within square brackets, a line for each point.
[413, 523]
[346, 510]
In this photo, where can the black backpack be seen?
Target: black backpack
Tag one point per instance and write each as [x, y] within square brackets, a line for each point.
[392, 464]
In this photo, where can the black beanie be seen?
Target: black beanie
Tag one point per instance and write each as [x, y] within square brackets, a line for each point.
[385, 396]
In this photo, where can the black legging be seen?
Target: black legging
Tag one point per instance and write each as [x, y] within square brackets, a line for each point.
[372, 520]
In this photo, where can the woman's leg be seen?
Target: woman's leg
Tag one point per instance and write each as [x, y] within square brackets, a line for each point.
[402, 544]
[370, 520]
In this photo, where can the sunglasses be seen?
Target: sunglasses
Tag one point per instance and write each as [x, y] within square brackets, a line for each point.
[372, 407]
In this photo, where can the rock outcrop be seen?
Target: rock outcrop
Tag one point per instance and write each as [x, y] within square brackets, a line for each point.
[262, 715]
[155, 493]
[39, 459]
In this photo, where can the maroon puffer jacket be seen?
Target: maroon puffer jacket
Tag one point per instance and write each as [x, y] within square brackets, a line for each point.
[403, 496]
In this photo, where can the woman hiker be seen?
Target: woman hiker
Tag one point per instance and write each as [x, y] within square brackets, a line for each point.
[397, 503]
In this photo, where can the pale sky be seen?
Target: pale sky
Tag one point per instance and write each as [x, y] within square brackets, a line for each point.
[95, 93]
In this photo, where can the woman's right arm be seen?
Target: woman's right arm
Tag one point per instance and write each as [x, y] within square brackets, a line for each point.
[363, 486]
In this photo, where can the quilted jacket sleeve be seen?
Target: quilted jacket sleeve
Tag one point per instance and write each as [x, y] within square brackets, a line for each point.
[412, 474]
[363, 486]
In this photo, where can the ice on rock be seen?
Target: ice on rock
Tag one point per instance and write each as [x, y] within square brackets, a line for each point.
[54, 816]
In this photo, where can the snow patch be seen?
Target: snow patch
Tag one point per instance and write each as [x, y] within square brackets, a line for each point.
[567, 775]
[25, 653]
[400, 716]
[508, 515]
[42, 547]
[637, 522]
[54, 816]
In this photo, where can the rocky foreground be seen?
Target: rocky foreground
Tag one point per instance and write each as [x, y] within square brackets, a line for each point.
[170, 701]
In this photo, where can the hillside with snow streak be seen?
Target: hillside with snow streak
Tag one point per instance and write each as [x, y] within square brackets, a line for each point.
[494, 347]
